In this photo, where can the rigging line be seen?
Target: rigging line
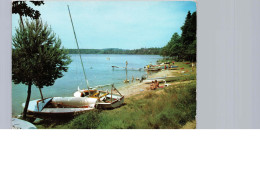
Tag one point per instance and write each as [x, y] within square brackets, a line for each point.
[78, 48]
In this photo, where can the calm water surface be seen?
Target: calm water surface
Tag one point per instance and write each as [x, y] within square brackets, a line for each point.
[98, 70]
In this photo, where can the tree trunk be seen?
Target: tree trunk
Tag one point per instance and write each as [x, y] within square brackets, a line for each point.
[27, 100]
[21, 21]
[41, 94]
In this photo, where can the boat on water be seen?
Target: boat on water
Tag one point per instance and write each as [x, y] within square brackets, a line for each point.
[108, 99]
[60, 106]
[159, 79]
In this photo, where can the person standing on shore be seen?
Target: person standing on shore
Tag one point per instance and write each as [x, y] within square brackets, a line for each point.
[192, 66]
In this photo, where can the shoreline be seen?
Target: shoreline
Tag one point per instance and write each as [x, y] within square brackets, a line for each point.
[136, 87]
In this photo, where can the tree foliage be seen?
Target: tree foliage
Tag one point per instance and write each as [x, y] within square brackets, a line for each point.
[21, 8]
[141, 51]
[37, 55]
[184, 46]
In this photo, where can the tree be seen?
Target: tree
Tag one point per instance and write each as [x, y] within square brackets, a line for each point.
[173, 48]
[175, 45]
[183, 46]
[188, 35]
[22, 9]
[37, 57]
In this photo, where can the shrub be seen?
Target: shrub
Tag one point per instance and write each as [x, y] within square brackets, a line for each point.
[89, 120]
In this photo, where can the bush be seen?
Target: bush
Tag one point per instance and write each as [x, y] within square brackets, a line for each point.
[89, 120]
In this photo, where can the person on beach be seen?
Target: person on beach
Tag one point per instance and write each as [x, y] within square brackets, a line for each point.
[156, 84]
[133, 78]
[142, 78]
[152, 86]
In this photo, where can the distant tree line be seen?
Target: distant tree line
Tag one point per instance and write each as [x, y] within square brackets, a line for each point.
[183, 47]
[141, 51]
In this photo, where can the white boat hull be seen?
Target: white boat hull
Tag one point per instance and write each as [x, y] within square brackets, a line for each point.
[106, 102]
[160, 80]
[60, 106]
[110, 105]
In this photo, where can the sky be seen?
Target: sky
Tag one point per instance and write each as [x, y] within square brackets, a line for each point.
[114, 24]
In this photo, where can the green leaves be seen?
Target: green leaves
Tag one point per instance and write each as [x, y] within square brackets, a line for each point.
[183, 46]
[21, 8]
[37, 55]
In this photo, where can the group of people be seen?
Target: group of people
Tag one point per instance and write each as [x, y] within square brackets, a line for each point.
[154, 85]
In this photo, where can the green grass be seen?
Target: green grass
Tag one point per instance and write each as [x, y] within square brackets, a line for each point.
[89, 120]
[171, 108]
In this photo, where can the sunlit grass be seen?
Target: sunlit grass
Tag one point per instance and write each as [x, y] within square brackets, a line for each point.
[172, 108]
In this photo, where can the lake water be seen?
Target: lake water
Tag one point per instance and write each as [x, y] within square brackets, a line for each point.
[98, 70]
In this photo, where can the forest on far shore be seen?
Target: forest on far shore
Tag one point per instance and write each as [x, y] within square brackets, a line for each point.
[141, 51]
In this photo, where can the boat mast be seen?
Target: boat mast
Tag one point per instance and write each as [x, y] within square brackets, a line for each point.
[78, 48]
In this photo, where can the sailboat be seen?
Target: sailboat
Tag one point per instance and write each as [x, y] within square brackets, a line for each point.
[108, 99]
[104, 99]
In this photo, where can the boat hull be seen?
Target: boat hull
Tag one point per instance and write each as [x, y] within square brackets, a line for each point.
[117, 100]
[60, 107]
[50, 113]
[160, 80]
[111, 105]
[21, 124]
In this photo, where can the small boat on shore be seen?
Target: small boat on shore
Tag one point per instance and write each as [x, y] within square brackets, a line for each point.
[159, 79]
[60, 106]
[173, 67]
[153, 68]
[105, 99]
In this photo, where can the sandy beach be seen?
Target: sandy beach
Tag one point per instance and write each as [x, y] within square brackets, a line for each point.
[136, 87]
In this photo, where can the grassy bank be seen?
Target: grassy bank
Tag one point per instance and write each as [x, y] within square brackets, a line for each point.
[166, 108]
[171, 107]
